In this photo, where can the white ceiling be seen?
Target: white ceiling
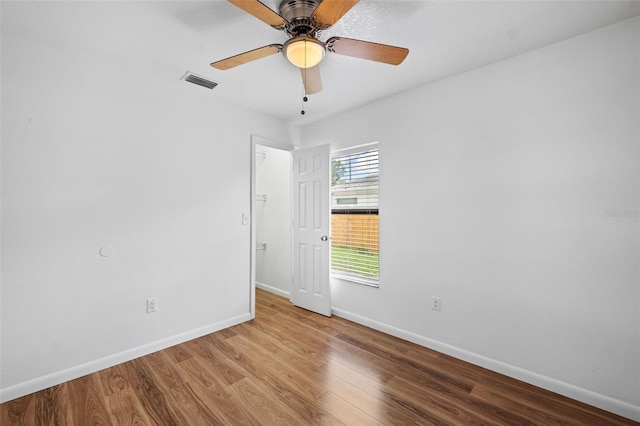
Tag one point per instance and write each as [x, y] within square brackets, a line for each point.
[169, 38]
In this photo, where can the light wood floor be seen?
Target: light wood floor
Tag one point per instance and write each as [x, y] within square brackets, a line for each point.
[293, 367]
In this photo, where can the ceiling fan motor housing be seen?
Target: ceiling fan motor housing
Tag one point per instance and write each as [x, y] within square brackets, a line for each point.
[298, 14]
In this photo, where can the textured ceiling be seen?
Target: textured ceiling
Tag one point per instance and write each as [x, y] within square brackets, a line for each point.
[170, 37]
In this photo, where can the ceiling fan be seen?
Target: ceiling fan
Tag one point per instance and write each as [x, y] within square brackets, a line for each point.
[302, 21]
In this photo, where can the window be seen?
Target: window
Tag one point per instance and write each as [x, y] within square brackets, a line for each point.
[347, 201]
[354, 215]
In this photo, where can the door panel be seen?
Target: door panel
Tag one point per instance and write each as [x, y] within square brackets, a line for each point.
[311, 222]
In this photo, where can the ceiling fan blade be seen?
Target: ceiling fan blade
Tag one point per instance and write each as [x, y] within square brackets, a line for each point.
[243, 58]
[367, 50]
[311, 80]
[330, 11]
[262, 12]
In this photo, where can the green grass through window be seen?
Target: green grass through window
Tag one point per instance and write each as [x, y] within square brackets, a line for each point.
[357, 261]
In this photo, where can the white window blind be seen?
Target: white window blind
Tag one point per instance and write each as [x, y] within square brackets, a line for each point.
[355, 243]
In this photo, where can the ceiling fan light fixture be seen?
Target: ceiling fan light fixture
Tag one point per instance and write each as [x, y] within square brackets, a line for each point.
[304, 51]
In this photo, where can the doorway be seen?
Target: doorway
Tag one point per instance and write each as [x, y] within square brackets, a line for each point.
[271, 230]
[290, 228]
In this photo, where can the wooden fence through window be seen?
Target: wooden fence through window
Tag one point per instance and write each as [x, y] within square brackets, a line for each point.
[355, 231]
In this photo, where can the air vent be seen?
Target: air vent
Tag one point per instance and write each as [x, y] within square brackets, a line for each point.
[200, 81]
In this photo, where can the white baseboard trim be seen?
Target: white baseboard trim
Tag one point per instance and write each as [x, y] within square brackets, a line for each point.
[40, 383]
[604, 402]
[273, 290]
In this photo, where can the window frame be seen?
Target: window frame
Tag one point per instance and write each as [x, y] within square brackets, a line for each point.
[345, 276]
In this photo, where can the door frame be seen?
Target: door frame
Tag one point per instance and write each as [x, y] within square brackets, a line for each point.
[255, 141]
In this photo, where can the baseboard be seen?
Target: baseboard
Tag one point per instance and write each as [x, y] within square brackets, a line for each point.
[72, 373]
[273, 290]
[604, 402]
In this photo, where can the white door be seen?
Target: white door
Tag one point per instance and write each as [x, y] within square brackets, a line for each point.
[311, 216]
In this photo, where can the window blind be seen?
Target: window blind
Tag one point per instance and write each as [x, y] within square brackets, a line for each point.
[355, 243]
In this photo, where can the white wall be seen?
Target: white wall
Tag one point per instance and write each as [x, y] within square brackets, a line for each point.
[273, 220]
[99, 154]
[517, 165]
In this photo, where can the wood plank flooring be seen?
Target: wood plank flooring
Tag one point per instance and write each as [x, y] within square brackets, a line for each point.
[293, 367]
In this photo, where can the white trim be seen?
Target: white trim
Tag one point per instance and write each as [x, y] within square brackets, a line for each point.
[354, 279]
[273, 290]
[586, 396]
[258, 140]
[40, 383]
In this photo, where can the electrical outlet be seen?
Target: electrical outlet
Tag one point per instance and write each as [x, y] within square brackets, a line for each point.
[435, 303]
[152, 305]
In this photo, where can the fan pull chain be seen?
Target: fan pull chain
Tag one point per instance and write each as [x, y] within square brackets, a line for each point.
[304, 91]
[304, 80]
[303, 95]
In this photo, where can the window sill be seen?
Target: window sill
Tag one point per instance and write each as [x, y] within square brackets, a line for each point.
[356, 279]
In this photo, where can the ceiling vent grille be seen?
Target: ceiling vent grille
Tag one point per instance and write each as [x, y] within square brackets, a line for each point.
[200, 81]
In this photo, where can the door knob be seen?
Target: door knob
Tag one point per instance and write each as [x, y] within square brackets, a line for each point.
[324, 238]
